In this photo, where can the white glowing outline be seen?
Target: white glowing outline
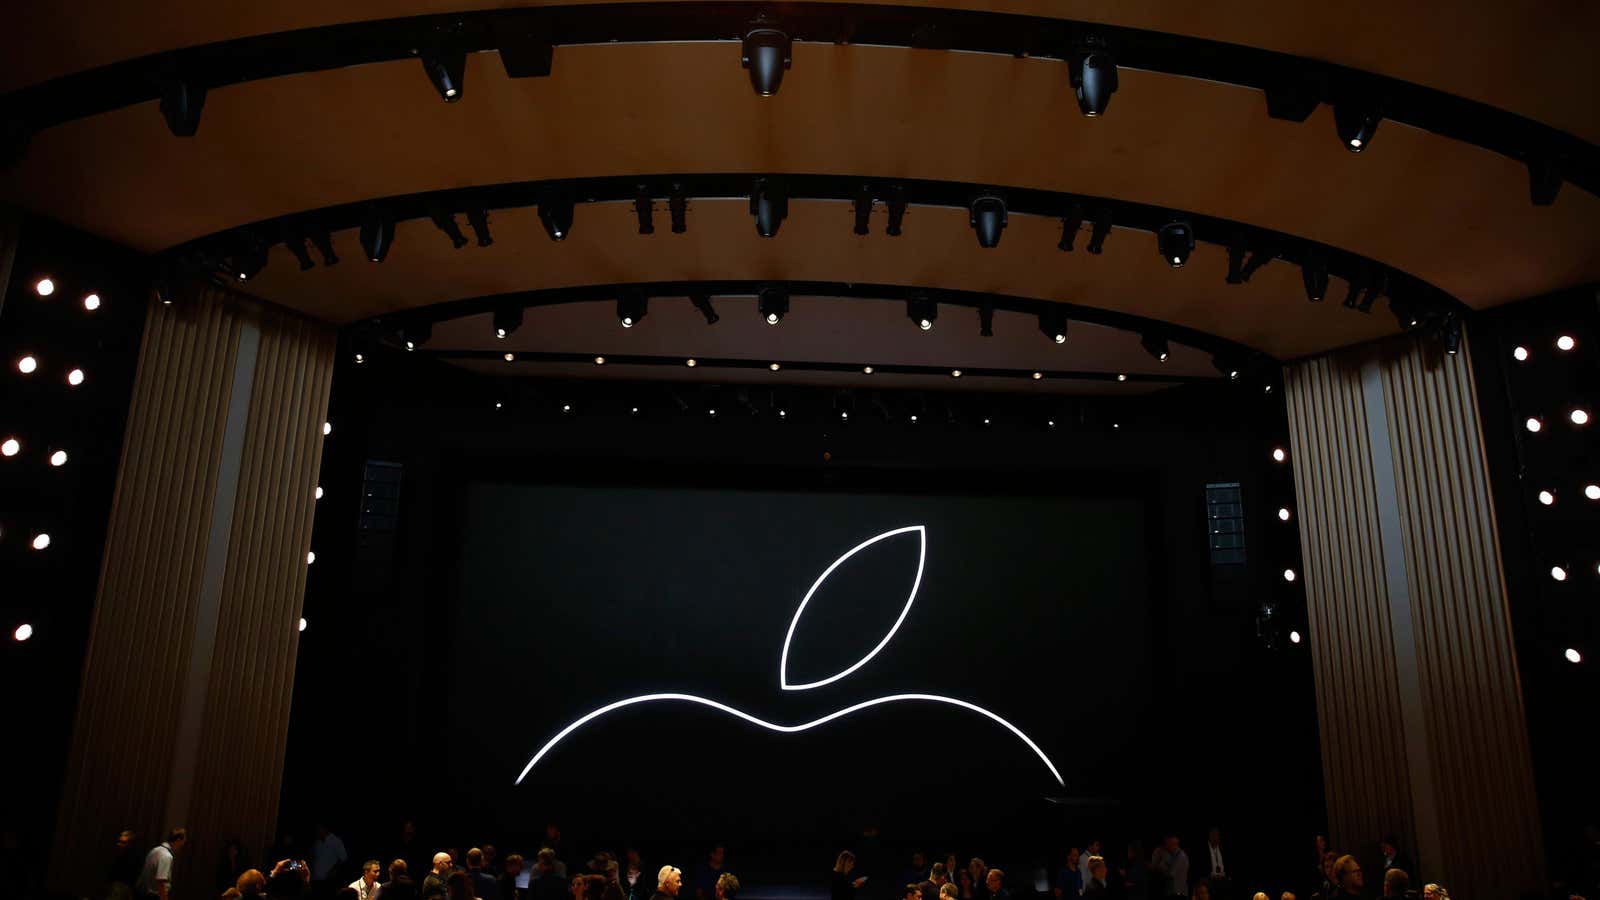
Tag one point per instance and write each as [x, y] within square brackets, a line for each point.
[783, 679]
[786, 729]
[922, 557]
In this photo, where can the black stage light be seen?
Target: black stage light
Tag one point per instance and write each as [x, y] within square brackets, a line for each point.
[295, 241]
[1258, 258]
[1450, 333]
[1236, 253]
[1356, 123]
[1053, 324]
[985, 320]
[1544, 180]
[769, 203]
[1229, 368]
[1156, 346]
[524, 52]
[555, 212]
[1377, 285]
[1093, 75]
[988, 218]
[1292, 99]
[922, 311]
[1071, 224]
[631, 307]
[1406, 313]
[678, 206]
[702, 302]
[478, 221]
[767, 54]
[1175, 241]
[415, 336]
[250, 258]
[323, 241]
[644, 209]
[15, 135]
[507, 319]
[863, 209]
[1353, 287]
[377, 233]
[896, 205]
[446, 68]
[1100, 231]
[445, 221]
[1314, 274]
[181, 102]
[773, 304]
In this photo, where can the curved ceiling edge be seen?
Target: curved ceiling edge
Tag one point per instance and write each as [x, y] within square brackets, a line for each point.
[1294, 86]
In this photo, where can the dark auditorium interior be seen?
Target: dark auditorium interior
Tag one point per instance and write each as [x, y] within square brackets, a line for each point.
[889, 450]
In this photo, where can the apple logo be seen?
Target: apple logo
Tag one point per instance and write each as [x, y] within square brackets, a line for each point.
[921, 532]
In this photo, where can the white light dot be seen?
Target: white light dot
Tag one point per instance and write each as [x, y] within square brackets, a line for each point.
[1520, 353]
[11, 447]
[913, 418]
[318, 494]
[1592, 491]
[634, 411]
[1579, 417]
[91, 302]
[1547, 498]
[772, 318]
[510, 357]
[327, 428]
[1533, 424]
[1061, 338]
[985, 421]
[498, 404]
[690, 363]
[311, 557]
[1038, 375]
[1565, 342]
[599, 360]
[1122, 378]
[75, 377]
[411, 345]
[27, 365]
[1116, 424]
[774, 367]
[1572, 655]
[566, 407]
[1051, 423]
[25, 631]
[712, 412]
[1176, 260]
[1288, 574]
[1558, 573]
[1283, 513]
[449, 92]
[782, 414]
[360, 358]
[925, 324]
[44, 287]
[844, 416]
[1355, 142]
[627, 321]
[1279, 455]
[1294, 637]
[866, 370]
[955, 373]
[302, 624]
[58, 458]
[500, 333]
[41, 541]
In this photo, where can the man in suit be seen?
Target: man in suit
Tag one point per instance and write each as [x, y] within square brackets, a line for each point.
[484, 885]
[1392, 857]
[507, 889]
[1212, 865]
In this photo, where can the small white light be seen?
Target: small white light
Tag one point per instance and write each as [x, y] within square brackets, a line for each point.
[1565, 342]
[91, 302]
[844, 416]
[913, 418]
[782, 414]
[302, 624]
[774, 367]
[449, 92]
[690, 363]
[498, 404]
[318, 495]
[25, 631]
[1267, 389]
[360, 359]
[599, 360]
[1283, 513]
[1573, 656]
[58, 458]
[327, 428]
[1177, 261]
[411, 345]
[27, 365]
[1278, 454]
[1061, 338]
[11, 447]
[772, 318]
[500, 333]
[1117, 425]
[1288, 574]
[510, 357]
[1038, 375]
[566, 407]
[925, 324]
[44, 287]
[1558, 573]
[1050, 422]
[1533, 424]
[1579, 417]
[985, 421]
[1592, 491]
[1547, 498]
[75, 377]
[634, 411]
[1519, 353]
[1122, 378]
[627, 321]
[955, 373]
[41, 541]
[311, 557]
[1355, 142]
[712, 412]
[866, 370]
[558, 234]
[1294, 637]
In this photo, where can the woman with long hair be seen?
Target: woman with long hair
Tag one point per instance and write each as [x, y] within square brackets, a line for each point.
[845, 882]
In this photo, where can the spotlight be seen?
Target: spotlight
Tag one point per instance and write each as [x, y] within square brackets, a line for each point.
[1573, 656]
[10, 447]
[507, 319]
[1122, 377]
[774, 304]
[702, 302]
[1037, 376]
[1314, 274]
[25, 631]
[555, 212]
[377, 233]
[1283, 513]
[511, 357]
[327, 428]
[1071, 224]
[1156, 346]
[417, 335]
[446, 68]
[1279, 454]
[181, 102]
[1547, 498]
[323, 241]
[44, 287]
[988, 218]
[1592, 491]
[678, 208]
[1452, 333]
[1100, 231]
[58, 458]
[40, 541]
[896, 205]
[311, 557]
[1353, 287]
[1176, 242]
[691, 362]
[631, 307]
[1544, 181]
[767, 55]
[318, 494]
[1355, 124]
[1558, 573]
[302, 625]
[1579, 417]
[644, 210]
[769, 203]
[1533, 424]
[478, 221]
[1519, 353]
[295, 243]
[774, 367]
[1565, 342]
[250, 259]
[27, 365]
[1053, 324]
[863, 210]
[1288, 575]
[1236, 253]
[75, 377]
[866, 370]
[1258, 258]
[955, 373]
[1294, 637]
[922, 311]
[91, 302]
[599, 360]
[985, 320]
[1093, 76]
[1227, 367]
[445, 221]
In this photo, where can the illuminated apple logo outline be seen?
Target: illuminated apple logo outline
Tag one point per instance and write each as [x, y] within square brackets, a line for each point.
[783, 673]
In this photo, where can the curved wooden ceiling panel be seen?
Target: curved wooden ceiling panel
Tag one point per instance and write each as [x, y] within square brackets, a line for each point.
[1446, 212]
[937, 250]
[1532, 58]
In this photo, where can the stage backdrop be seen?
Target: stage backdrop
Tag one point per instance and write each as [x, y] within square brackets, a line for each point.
[1034, 608]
